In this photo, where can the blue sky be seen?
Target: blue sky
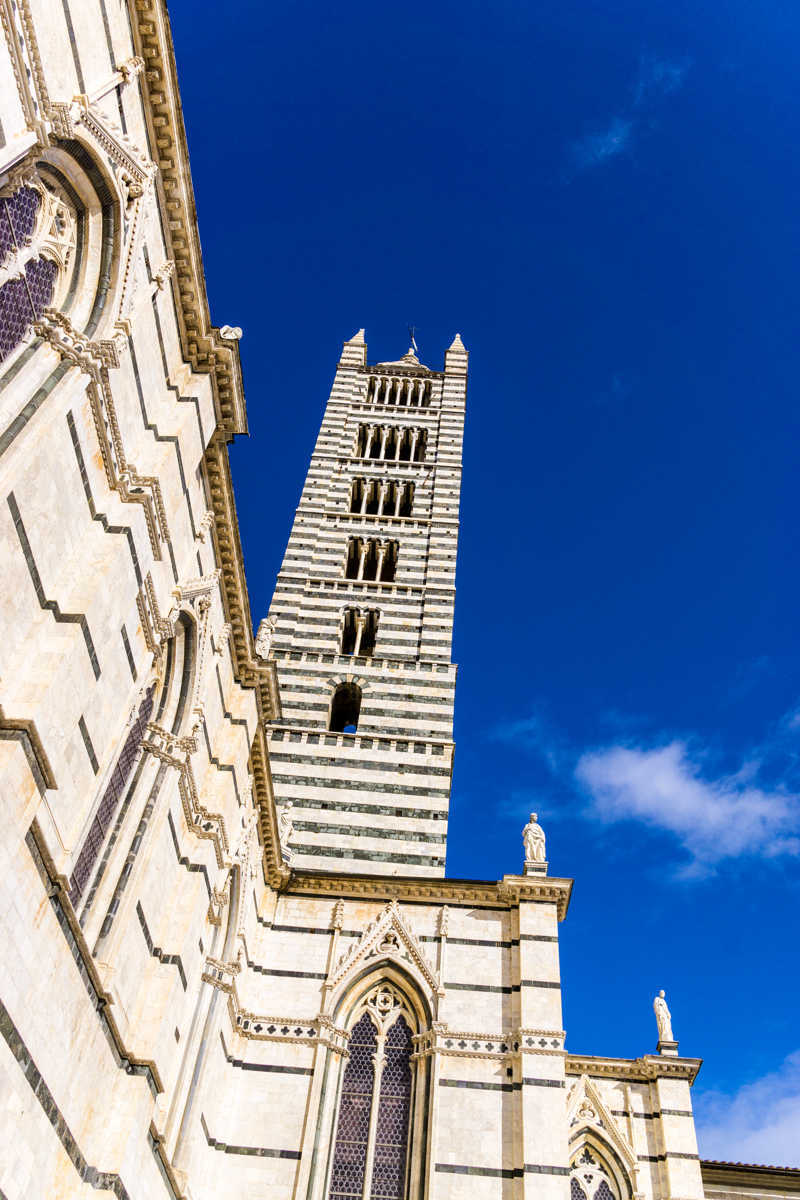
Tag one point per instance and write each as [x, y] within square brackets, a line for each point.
[602, 199]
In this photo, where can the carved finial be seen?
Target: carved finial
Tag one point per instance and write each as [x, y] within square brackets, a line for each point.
[164, 273]
[130, 68]
[337, 920]
[230, 333]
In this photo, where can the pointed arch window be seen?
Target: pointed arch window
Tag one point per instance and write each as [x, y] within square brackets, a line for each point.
[592, 1178]
[371, 1146]
[37, 243]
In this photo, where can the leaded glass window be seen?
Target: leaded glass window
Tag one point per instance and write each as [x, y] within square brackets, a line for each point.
[37, 239]
[370, 1158]
[591, 1178]
[107, 809]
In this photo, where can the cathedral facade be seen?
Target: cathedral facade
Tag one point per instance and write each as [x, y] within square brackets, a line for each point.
[234, 964]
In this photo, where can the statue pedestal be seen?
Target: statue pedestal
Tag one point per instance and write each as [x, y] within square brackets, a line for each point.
[668, 1048]
[535, 868]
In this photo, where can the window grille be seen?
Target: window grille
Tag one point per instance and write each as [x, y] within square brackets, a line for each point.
[370, 1157]
[107, 809]
[37, 237]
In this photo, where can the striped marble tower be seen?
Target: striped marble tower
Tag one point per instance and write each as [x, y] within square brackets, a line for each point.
[363, 611]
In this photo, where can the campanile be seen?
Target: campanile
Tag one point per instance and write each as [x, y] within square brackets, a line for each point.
[363, 612]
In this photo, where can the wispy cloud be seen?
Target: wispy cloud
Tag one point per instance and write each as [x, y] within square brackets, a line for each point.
[656, 78]
[756, 1124]
[596, 148]
[669, 785]
[664, 787]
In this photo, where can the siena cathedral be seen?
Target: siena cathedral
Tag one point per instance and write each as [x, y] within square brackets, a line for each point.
[233, 963]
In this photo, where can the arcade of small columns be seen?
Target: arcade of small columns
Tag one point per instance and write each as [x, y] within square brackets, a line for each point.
[413, 393]
[370, 559]
[386, 498]
[390, 443]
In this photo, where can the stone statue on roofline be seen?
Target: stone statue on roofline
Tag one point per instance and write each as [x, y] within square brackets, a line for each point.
[266, 632]
[666, 1039]
[533, 839]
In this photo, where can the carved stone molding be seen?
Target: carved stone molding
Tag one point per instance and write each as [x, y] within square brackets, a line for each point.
[650, 1066]
[175, 752]
[95, 359]
[388, 939]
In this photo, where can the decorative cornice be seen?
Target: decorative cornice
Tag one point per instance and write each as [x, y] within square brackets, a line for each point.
[202, 344]
[650, 1066]
[506, 893]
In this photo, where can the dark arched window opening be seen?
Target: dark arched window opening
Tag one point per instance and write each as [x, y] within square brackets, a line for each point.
[353, 558]
[406, 501]
[345, 708]
[349, 630]
[389, 564]
[356, 495]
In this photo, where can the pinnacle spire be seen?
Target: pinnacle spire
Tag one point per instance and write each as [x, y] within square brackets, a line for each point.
[457, 343]
[357, 339]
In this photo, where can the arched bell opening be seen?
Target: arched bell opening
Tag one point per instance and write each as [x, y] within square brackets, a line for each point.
[345, 708]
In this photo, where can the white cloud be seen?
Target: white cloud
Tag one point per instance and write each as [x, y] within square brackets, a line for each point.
[658, 76]
[596, 148]
[714, 819]
[758, 1123]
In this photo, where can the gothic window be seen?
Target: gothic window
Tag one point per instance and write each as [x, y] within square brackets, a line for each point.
[37, 241]
[356, 495]
[592, 1178]
[359, 631]
[388, 498]
[371, 1150]
[391, 443]
[345, 708]
[110, 801]
[370, 559]
[410, 393]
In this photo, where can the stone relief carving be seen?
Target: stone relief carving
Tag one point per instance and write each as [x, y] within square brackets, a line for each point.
[230, 333]
[285, 830]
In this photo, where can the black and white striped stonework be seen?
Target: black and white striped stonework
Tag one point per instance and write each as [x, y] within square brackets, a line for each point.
[375, 800]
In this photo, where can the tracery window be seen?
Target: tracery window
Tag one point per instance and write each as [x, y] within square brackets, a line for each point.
[37, 241]
[591, 1179]
[107, 809]
[371, 1146]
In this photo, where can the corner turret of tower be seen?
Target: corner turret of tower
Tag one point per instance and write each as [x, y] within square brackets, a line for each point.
[456, 357]
[354, 351]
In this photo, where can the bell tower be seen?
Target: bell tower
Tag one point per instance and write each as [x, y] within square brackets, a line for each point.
[363, 611]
